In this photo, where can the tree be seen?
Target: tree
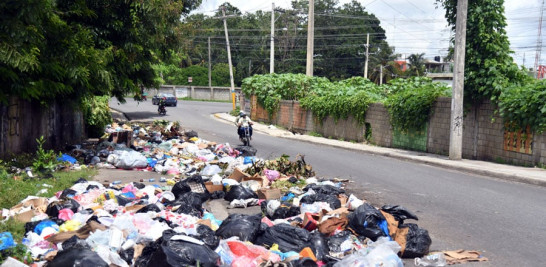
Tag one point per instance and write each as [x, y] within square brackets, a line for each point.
[488, 64]
[417, 64]
[74, 49]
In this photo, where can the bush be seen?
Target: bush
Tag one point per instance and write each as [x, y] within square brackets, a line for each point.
[96, 112]
[410, 103]
[524, 105]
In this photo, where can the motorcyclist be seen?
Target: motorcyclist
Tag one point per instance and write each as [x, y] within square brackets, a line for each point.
[243, 121]
[162, 103]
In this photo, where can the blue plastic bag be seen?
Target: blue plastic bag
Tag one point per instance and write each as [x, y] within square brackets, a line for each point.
[6, 241]
[65, 157]
[44, 224]
[249, 160]
[152, 162]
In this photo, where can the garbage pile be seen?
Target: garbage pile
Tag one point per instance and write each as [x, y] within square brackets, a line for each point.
[304, 220]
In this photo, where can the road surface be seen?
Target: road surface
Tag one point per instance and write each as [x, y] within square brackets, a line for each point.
[504, 220]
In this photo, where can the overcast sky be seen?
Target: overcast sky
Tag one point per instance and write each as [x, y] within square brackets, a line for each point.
[417, 26]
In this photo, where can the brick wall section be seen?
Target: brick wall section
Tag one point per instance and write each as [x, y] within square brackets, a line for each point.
[438, 129]
[483, 139]
[378, 118]
[346, 129]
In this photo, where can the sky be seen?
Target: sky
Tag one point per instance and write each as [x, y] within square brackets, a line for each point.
[417, 26]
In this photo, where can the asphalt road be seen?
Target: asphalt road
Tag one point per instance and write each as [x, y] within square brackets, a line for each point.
[504, 220]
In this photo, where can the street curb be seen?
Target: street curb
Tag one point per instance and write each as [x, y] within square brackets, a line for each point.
[121, 112]
[466, 169]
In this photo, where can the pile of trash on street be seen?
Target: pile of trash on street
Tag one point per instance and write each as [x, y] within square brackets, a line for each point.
[304, 220]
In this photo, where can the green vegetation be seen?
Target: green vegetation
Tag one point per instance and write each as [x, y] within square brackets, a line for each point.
[315, 134]
[19, 252]
[410, 102]
[16, 188]
[235, 112]
[96, 113]
[46, 160]
[204, 100]
[523, 105]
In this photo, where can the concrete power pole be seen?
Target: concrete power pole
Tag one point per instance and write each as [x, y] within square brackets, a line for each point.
[380, 74]
[456, 129]
[210, 68]
[310, 38]
[272, 55]
[367, 54]
[229, 57]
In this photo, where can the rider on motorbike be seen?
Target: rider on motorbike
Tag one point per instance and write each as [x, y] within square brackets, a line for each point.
[243, 121]
[162, 103]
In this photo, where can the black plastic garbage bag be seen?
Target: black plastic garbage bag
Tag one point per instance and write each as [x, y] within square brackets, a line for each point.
[247, 151]
[150, 207]
[68, 193]
[285, 210]
[190, 134]
[75, 242]
[304, 262]
[399, 213]
[335, 241]
[207, 235]
[194, 184]
[127, 255]
[289, 238]
[77, 257]
[218, 194]
[246, 227]
[54, 207]
[332, 200]
[239, 192]
[417, 241]
[80, 180]
[365, 221]
[168, 252]
[319, 245]
[324, 189]
[91, 187]
[188, 203]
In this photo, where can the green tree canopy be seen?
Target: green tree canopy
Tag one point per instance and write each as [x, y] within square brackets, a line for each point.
[59, 48]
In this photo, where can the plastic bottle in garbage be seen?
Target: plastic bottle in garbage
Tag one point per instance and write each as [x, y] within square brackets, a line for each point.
[433, 260]
[151, 180]
[162, 179]
[116, 182]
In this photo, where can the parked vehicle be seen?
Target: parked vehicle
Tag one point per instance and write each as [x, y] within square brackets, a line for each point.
[170, 99]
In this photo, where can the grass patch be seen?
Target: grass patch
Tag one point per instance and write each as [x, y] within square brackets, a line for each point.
[13, 191]
[315, 134]
[235, 112]
[203, 100]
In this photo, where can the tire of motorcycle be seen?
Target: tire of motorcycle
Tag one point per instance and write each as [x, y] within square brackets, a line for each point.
[246, 141]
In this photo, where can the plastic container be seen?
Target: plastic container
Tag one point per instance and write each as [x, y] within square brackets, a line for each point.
[151, 180]
[436, 259]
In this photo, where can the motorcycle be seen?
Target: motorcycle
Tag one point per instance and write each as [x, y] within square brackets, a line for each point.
[245, 137]
[161, 110]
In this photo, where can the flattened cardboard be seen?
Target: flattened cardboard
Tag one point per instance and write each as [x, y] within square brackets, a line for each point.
[238, 175]
[213, 187]
[392, 224]
[269, 193]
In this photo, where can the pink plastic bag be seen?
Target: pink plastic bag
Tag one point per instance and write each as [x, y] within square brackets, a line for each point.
[66, 214]
[272, 175]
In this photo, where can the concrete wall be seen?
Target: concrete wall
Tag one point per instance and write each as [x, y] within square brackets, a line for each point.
[379, 121]
[483, 131]
[195, 92]
[22, 122]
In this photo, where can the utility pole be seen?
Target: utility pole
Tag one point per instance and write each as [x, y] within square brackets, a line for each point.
[310, 38]
[210, 68]
[456, 129]
[249, 66]
[380, 74]
[229, 55]
[272, 55]
[367, 54]
[539, 41]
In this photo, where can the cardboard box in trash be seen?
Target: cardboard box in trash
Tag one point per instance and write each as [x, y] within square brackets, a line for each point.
[27, 209]
[213, 187]
[262, 180]
[269, 193]
[238, 175]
